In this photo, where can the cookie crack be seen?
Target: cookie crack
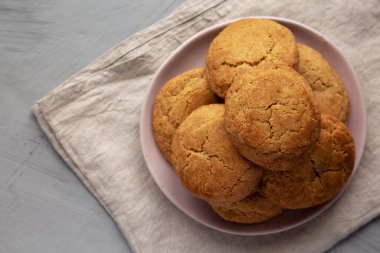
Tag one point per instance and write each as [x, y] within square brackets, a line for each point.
[316, 173]
[269, 53]
[238, 181]
[326, 85]
[239, 63]
[252, 63]
[270, 121]
[187, 95]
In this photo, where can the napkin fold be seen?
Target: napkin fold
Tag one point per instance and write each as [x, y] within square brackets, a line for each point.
[92, 121]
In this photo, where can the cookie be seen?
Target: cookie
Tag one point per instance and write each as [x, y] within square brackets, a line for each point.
[329, 90]
[253, 209]
[321, 176]
[175, 101]
[245, 44]
[207, 163]
[271, 116]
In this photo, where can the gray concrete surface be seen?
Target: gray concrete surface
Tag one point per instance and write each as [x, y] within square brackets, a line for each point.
[43, 205]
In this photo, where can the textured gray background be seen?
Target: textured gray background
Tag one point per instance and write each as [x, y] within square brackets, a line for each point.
[43, 205]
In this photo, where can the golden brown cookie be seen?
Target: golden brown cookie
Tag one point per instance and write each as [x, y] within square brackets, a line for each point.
[245, 44]
[321, 176]
[328, 88]
[175, 101]
[206, 161]
[271, 116]
[253, 209]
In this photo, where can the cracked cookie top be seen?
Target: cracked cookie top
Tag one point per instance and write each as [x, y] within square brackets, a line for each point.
[245, 44]
[206, 161]
[175, 101]
[329, 90]
[321, 176]
[271, 116]
[253, 209]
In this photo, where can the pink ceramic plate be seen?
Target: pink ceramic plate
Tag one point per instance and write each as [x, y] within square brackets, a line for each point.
[192, 54]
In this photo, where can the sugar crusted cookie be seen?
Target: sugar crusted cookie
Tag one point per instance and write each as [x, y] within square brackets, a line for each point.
[321, 176]
[175, 101]
[206, 161]
[271, 116]
[245, 44]
[328, 88]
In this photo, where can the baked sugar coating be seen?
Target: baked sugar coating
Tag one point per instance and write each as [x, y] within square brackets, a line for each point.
[175, 101]
[271, 116]
[245, 44]
[253, 209]
[329, 90]
[206, 161]
[321, 176]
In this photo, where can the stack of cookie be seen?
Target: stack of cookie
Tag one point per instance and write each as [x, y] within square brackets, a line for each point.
[261, 128]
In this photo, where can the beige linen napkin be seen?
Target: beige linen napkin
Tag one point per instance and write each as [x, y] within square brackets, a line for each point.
[92, 120]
